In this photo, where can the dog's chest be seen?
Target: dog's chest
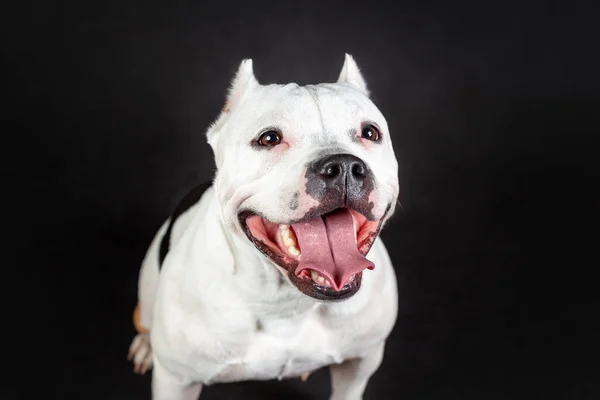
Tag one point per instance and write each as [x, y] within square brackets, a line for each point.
[280, 348]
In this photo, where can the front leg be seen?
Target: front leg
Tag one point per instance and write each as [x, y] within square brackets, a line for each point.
[168, 386]
[349, 379]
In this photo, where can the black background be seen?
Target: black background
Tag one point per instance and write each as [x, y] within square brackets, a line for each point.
[493, 110]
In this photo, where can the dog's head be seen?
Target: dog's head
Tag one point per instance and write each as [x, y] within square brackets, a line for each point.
[307, 175]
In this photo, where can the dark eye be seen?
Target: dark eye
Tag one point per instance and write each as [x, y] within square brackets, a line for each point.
[270, 138]
[369, 132]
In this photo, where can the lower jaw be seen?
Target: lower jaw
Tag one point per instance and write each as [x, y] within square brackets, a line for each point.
[326, 293]
[305, 283]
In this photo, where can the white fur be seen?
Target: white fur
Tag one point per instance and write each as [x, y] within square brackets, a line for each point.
[215, 287]
[351, 75]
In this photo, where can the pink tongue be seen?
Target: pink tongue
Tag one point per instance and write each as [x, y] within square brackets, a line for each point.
[328, 246]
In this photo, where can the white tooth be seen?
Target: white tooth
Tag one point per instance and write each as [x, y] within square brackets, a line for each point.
[286, 233]
[314, 275]
[289, 241]
[294, 251]
[321, 279]
[284, 227]
[327, 283]
[351, 278]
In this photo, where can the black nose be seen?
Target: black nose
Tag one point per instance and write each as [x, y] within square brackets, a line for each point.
[341, 170]
[340, 178]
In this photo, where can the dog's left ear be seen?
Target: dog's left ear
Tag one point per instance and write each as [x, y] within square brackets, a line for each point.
[351, 75]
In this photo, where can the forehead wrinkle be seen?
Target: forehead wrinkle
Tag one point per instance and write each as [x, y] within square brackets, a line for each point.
[312, 91]
[283, 104]
[340, 115]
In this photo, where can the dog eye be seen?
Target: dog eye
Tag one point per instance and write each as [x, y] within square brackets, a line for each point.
[270, 138]
[369, 132]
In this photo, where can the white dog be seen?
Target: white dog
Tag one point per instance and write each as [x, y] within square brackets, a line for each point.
[276, 269]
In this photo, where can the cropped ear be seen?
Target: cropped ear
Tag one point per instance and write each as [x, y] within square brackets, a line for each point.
[350, 74]
[243, 81]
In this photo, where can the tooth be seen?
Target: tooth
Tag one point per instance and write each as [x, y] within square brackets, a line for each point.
[327, 283]
[284, 227]
[286, 233]
[289, 241]
[294, 250]
[321, 279]
[314, 275]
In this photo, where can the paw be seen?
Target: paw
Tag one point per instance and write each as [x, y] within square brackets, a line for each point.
[140, 352]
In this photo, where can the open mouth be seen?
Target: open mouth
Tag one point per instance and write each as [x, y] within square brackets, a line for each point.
[324, 257]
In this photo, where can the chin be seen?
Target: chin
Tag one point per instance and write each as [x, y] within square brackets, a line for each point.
[285, 244]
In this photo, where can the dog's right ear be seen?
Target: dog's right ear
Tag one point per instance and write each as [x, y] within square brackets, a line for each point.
[243, 82]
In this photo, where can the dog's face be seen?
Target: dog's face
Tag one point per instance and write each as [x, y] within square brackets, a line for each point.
[306, 175]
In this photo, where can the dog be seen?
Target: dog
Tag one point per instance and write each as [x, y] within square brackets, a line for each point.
[276, 268]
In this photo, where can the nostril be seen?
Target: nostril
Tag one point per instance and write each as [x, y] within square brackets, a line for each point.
[358, 170]
[332, 170]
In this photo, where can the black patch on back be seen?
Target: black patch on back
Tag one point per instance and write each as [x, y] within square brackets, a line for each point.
[188, 201]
